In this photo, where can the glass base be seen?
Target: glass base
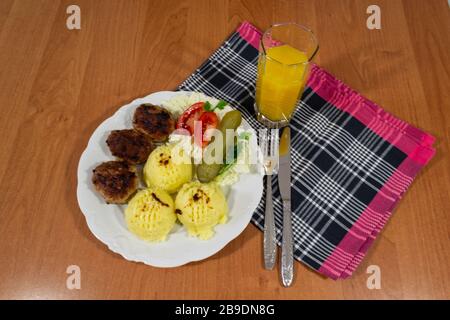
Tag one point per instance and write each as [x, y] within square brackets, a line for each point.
[269, 123]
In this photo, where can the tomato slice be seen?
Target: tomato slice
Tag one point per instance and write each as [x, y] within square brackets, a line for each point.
[193, 113]
[209, 120]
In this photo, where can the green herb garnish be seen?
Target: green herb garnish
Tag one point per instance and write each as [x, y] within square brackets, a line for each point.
[221, 104]
[207, 106]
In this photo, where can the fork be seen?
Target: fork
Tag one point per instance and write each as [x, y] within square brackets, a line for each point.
[269, 149]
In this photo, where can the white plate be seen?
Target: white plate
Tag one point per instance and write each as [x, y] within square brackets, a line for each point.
[107, 222]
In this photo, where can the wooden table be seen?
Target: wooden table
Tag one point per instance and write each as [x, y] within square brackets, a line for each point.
[57, 85]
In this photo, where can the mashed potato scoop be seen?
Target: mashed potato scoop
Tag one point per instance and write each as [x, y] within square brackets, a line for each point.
[200, 207]
[150, 214]
[167, 168]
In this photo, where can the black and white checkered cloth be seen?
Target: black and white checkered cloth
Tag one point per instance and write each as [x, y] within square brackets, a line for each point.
[347, 173]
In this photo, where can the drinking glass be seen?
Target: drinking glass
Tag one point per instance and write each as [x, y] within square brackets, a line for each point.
[285, 54]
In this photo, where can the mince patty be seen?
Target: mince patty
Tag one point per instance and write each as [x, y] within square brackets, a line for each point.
[116, 181]
[130, 145]
[153, 121]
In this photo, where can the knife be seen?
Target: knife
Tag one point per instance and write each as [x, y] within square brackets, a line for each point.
[284, 183]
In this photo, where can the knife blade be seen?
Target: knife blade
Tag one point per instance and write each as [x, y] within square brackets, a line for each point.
[284, 184]
[284, 171]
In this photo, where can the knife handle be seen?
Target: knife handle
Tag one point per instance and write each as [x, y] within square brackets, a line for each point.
[270, 246]
[287, 248]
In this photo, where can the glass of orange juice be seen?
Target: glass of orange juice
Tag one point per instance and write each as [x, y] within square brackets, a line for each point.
[285, 53]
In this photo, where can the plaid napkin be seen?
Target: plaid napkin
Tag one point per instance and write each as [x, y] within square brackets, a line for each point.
[351, 160]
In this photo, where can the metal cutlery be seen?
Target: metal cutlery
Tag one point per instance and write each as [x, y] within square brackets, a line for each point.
[284, 183]
[269, 140]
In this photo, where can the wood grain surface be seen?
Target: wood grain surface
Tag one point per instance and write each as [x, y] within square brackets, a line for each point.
[57, 85]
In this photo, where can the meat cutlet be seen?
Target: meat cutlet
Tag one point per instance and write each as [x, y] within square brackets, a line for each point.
[130, 145]
[116, 181]
[154, 121]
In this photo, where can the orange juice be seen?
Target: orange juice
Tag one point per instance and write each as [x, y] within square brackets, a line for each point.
[281, 79]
